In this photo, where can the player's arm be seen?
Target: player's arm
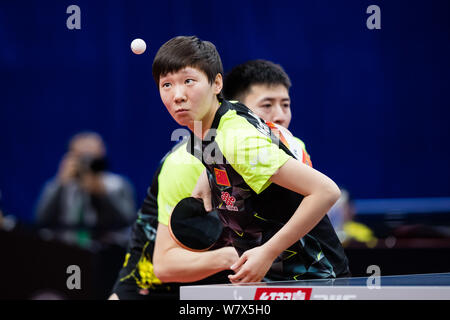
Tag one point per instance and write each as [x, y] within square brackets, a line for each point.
[320, 193]
[172, 263]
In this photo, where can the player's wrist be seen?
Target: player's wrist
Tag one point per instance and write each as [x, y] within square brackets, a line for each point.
[226, 257]
[272, 250]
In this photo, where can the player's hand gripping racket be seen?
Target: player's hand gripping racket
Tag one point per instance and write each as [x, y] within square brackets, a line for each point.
[192, 227]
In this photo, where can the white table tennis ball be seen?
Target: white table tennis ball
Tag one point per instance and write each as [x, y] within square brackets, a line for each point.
[138, 46]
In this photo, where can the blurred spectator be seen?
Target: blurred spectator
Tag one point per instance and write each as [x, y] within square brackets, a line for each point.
[341, 216]
[84, 202]
[7, 222]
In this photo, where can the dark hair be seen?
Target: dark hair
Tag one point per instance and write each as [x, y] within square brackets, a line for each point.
[187, 51]
[238, 81]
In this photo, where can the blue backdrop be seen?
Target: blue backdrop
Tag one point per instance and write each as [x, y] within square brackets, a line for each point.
[371, 105]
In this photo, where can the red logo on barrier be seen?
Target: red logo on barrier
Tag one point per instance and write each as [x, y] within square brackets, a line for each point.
[283, 294]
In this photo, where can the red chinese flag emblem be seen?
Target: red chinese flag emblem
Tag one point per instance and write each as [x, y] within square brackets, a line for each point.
[222, 177]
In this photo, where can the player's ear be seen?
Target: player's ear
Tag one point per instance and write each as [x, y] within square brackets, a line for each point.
[218, 83]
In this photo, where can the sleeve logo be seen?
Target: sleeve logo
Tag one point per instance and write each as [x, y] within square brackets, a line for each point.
[229, 201]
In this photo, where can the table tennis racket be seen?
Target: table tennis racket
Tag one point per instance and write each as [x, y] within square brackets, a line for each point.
[192, 227]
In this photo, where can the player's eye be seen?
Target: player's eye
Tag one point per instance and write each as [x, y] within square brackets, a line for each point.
[165, 85]
[189, 81]
[266, 105]
[286, 105]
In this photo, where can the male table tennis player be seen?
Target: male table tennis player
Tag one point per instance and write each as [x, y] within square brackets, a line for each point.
[265, 89]
[272, 205]
[263, 86]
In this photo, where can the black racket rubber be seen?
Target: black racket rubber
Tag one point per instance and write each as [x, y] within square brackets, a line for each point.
[192, 227]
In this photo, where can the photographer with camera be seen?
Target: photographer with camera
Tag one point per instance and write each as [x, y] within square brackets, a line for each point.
[84, 202]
